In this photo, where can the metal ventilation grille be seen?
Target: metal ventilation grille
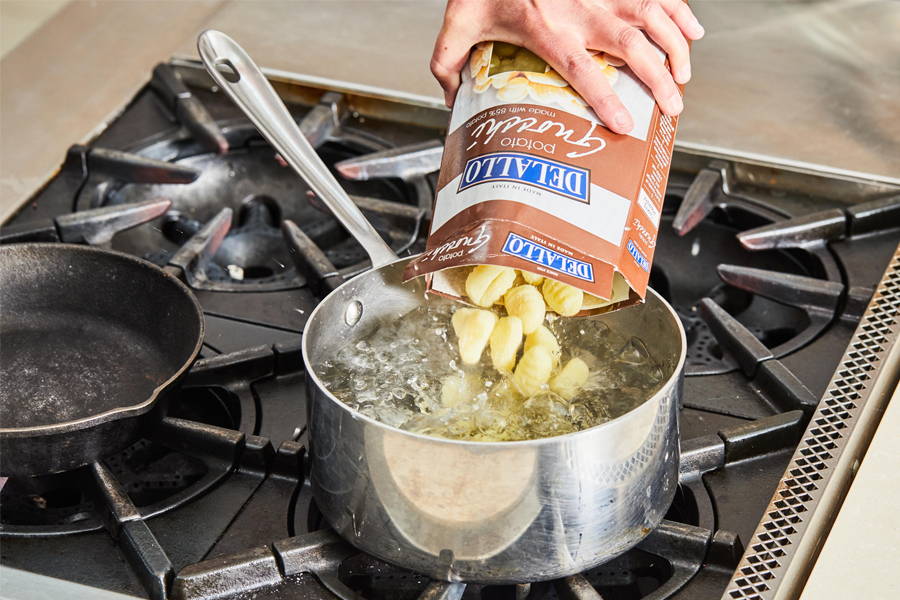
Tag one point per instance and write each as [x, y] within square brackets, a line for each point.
[773, 544]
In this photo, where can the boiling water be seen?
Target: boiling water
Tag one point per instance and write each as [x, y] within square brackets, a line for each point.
[396, 376]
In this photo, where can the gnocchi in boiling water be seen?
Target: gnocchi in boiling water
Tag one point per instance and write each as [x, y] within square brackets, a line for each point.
[544, 337]
[533, 370]
[473, 328]
[570, 379]
[525, 302]
[505, 341]
[428, 371]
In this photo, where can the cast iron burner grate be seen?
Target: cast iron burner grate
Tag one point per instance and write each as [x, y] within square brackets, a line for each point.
[251, 179]
[685, 270]
[634, 574]
[155, 476]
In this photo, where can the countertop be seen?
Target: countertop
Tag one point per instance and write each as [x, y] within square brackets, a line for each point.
[859, 558]
[813, 84]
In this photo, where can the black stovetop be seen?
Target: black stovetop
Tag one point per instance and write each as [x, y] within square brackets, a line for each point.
[223, 507]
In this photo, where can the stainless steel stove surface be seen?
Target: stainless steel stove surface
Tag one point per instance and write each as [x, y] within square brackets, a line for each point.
[770, 272]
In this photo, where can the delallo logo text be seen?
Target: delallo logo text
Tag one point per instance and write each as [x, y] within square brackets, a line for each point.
[542, 173]
[516, 245]
[637, 256]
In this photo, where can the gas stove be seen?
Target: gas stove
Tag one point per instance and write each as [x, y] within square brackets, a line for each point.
[779, 278]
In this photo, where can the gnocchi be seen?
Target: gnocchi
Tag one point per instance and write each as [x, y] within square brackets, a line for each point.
[473, 328]
[525, 302]
[513, 58]
[514, 91]
[505, 341]
[516, 73]
[564, 299]
[550, 78]
[526, 297]
[486, 284]
[531, 277]
[533, 370]
[570, 378]
[544, 337]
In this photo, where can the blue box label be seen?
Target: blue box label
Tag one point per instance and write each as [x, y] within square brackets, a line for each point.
[516, 245]
[637, 256]
[543, 173]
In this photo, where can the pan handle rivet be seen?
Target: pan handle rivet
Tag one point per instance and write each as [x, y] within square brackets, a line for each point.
[353, 312]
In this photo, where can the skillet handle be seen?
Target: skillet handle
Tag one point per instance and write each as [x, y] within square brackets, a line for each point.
[236, 73]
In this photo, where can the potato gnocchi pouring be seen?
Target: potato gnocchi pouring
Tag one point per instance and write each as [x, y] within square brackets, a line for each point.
[541, 215]
[377, 345]
[507, 368]
[532, 180]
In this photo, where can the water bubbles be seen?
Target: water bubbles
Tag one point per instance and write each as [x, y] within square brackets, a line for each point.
[462, 426]
[391, 415]
[490, 421]
[546, 405]
[399, 375]
[581, 413]
[634, 352]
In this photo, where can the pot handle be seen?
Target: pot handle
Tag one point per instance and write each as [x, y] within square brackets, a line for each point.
[236, 73]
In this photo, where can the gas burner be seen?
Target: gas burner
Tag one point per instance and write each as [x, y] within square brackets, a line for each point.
[686, 270]
[657, 568]
[253, 181]
[252, 252]
[635, 574]
[156, 477]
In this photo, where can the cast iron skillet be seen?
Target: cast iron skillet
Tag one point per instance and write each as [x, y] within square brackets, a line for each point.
[91, 341]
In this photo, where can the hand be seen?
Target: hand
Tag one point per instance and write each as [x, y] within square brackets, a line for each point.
[562, 31]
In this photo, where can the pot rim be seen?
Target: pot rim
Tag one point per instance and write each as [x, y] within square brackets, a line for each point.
[677, 373]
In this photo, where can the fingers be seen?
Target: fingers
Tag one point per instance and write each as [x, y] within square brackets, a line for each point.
[669, 23]
[583, 73]
[631, 45]
[683, 17]
[451, 50]
[664, 31]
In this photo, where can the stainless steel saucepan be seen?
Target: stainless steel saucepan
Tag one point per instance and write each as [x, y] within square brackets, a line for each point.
[502, 512]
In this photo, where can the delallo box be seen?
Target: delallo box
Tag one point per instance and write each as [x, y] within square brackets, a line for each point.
[532, 179]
